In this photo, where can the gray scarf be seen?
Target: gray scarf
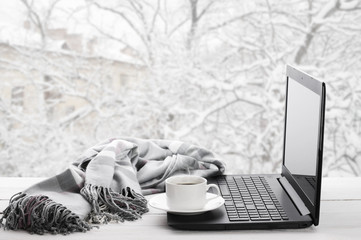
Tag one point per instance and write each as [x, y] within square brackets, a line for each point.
[107, 183]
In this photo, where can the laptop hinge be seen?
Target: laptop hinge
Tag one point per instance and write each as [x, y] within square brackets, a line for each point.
[294, 196]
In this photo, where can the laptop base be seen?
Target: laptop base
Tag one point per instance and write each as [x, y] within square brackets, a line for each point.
[211, 221]
[219, 219]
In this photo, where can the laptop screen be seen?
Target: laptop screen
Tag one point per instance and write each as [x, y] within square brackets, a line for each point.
[303, 139]
[301, 136]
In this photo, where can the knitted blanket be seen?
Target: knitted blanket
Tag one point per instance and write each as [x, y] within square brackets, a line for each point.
[107, 183]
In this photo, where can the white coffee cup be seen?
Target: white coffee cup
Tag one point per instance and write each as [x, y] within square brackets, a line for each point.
[188, 192]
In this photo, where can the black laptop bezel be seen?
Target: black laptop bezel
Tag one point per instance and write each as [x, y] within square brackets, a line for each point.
[320, 89]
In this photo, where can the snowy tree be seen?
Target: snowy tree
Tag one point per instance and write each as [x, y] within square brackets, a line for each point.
[210, 72]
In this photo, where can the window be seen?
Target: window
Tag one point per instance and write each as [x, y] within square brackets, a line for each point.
[205, 72]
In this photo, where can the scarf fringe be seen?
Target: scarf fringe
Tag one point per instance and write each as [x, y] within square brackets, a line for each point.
[108, 205]
[39, 214]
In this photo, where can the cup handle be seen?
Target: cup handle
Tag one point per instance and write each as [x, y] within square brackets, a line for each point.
[217, 188]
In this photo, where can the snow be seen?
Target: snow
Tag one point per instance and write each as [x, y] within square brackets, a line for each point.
[136, 75]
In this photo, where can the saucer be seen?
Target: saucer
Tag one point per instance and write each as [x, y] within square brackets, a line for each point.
[160, 202]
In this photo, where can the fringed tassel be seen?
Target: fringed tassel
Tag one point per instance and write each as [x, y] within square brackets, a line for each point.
[39, 214]
[112, 206]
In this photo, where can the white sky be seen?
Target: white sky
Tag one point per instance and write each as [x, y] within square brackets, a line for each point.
[68, 14]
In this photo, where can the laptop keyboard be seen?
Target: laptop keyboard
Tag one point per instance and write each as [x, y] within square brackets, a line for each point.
[312, 181]
[249, 198]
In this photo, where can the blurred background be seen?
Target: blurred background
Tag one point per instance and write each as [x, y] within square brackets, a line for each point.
[209, 72]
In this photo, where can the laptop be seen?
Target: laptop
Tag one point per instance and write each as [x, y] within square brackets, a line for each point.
[290, 199]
